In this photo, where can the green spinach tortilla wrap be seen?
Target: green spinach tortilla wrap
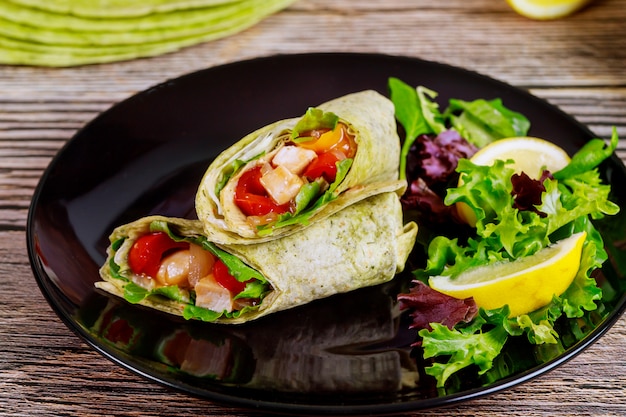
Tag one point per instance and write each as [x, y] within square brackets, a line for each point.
[295, 172]
[169, 264]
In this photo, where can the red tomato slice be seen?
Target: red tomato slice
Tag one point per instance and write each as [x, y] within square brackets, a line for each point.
[251, 197]
[325, 165]
[146, 253]
[250, 183]
[225, 279]
[257, 205]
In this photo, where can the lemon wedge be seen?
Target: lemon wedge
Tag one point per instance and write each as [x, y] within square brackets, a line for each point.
[546, 9]
[530, 155]
[524, 284]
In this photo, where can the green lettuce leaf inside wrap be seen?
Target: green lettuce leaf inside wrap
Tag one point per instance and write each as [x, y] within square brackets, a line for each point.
[257, 285]
[313, 119]
[310, 198]
[307, 203]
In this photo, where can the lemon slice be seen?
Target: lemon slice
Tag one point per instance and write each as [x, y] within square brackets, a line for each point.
[530, 155]
[524, 284]
[546, 9]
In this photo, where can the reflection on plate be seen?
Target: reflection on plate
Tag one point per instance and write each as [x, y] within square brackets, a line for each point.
[349, 354]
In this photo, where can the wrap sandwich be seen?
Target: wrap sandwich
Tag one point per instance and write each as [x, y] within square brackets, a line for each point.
[171, 265]
[295, 172]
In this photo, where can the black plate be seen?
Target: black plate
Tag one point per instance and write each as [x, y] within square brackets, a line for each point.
[341, 355]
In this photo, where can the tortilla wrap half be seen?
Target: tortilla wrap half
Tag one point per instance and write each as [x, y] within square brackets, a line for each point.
[363, 245]
[368, 115]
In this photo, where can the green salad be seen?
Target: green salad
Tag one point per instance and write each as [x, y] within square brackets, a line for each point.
[516, 217]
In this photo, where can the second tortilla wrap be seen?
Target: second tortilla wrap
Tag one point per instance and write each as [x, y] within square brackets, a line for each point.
[368, 115]
[363, 245]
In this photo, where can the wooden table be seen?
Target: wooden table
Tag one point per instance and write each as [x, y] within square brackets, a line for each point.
[577, 63]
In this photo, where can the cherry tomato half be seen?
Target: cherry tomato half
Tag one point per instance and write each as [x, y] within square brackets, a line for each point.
[225, 279]
[325, 165]
[251, 197]
[250, 183]
[146, 253]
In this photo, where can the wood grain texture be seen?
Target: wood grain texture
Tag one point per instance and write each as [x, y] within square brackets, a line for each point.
[577, 64]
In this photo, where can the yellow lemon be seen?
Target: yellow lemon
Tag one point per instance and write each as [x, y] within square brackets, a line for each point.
[524, 284]
[546, 9]
[530, 155]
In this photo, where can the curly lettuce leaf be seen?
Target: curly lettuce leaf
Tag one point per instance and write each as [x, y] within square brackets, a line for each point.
[487, 190]
[538, 325]
[481, 341]
[583, 292]
[464, 347]
[447, 257]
